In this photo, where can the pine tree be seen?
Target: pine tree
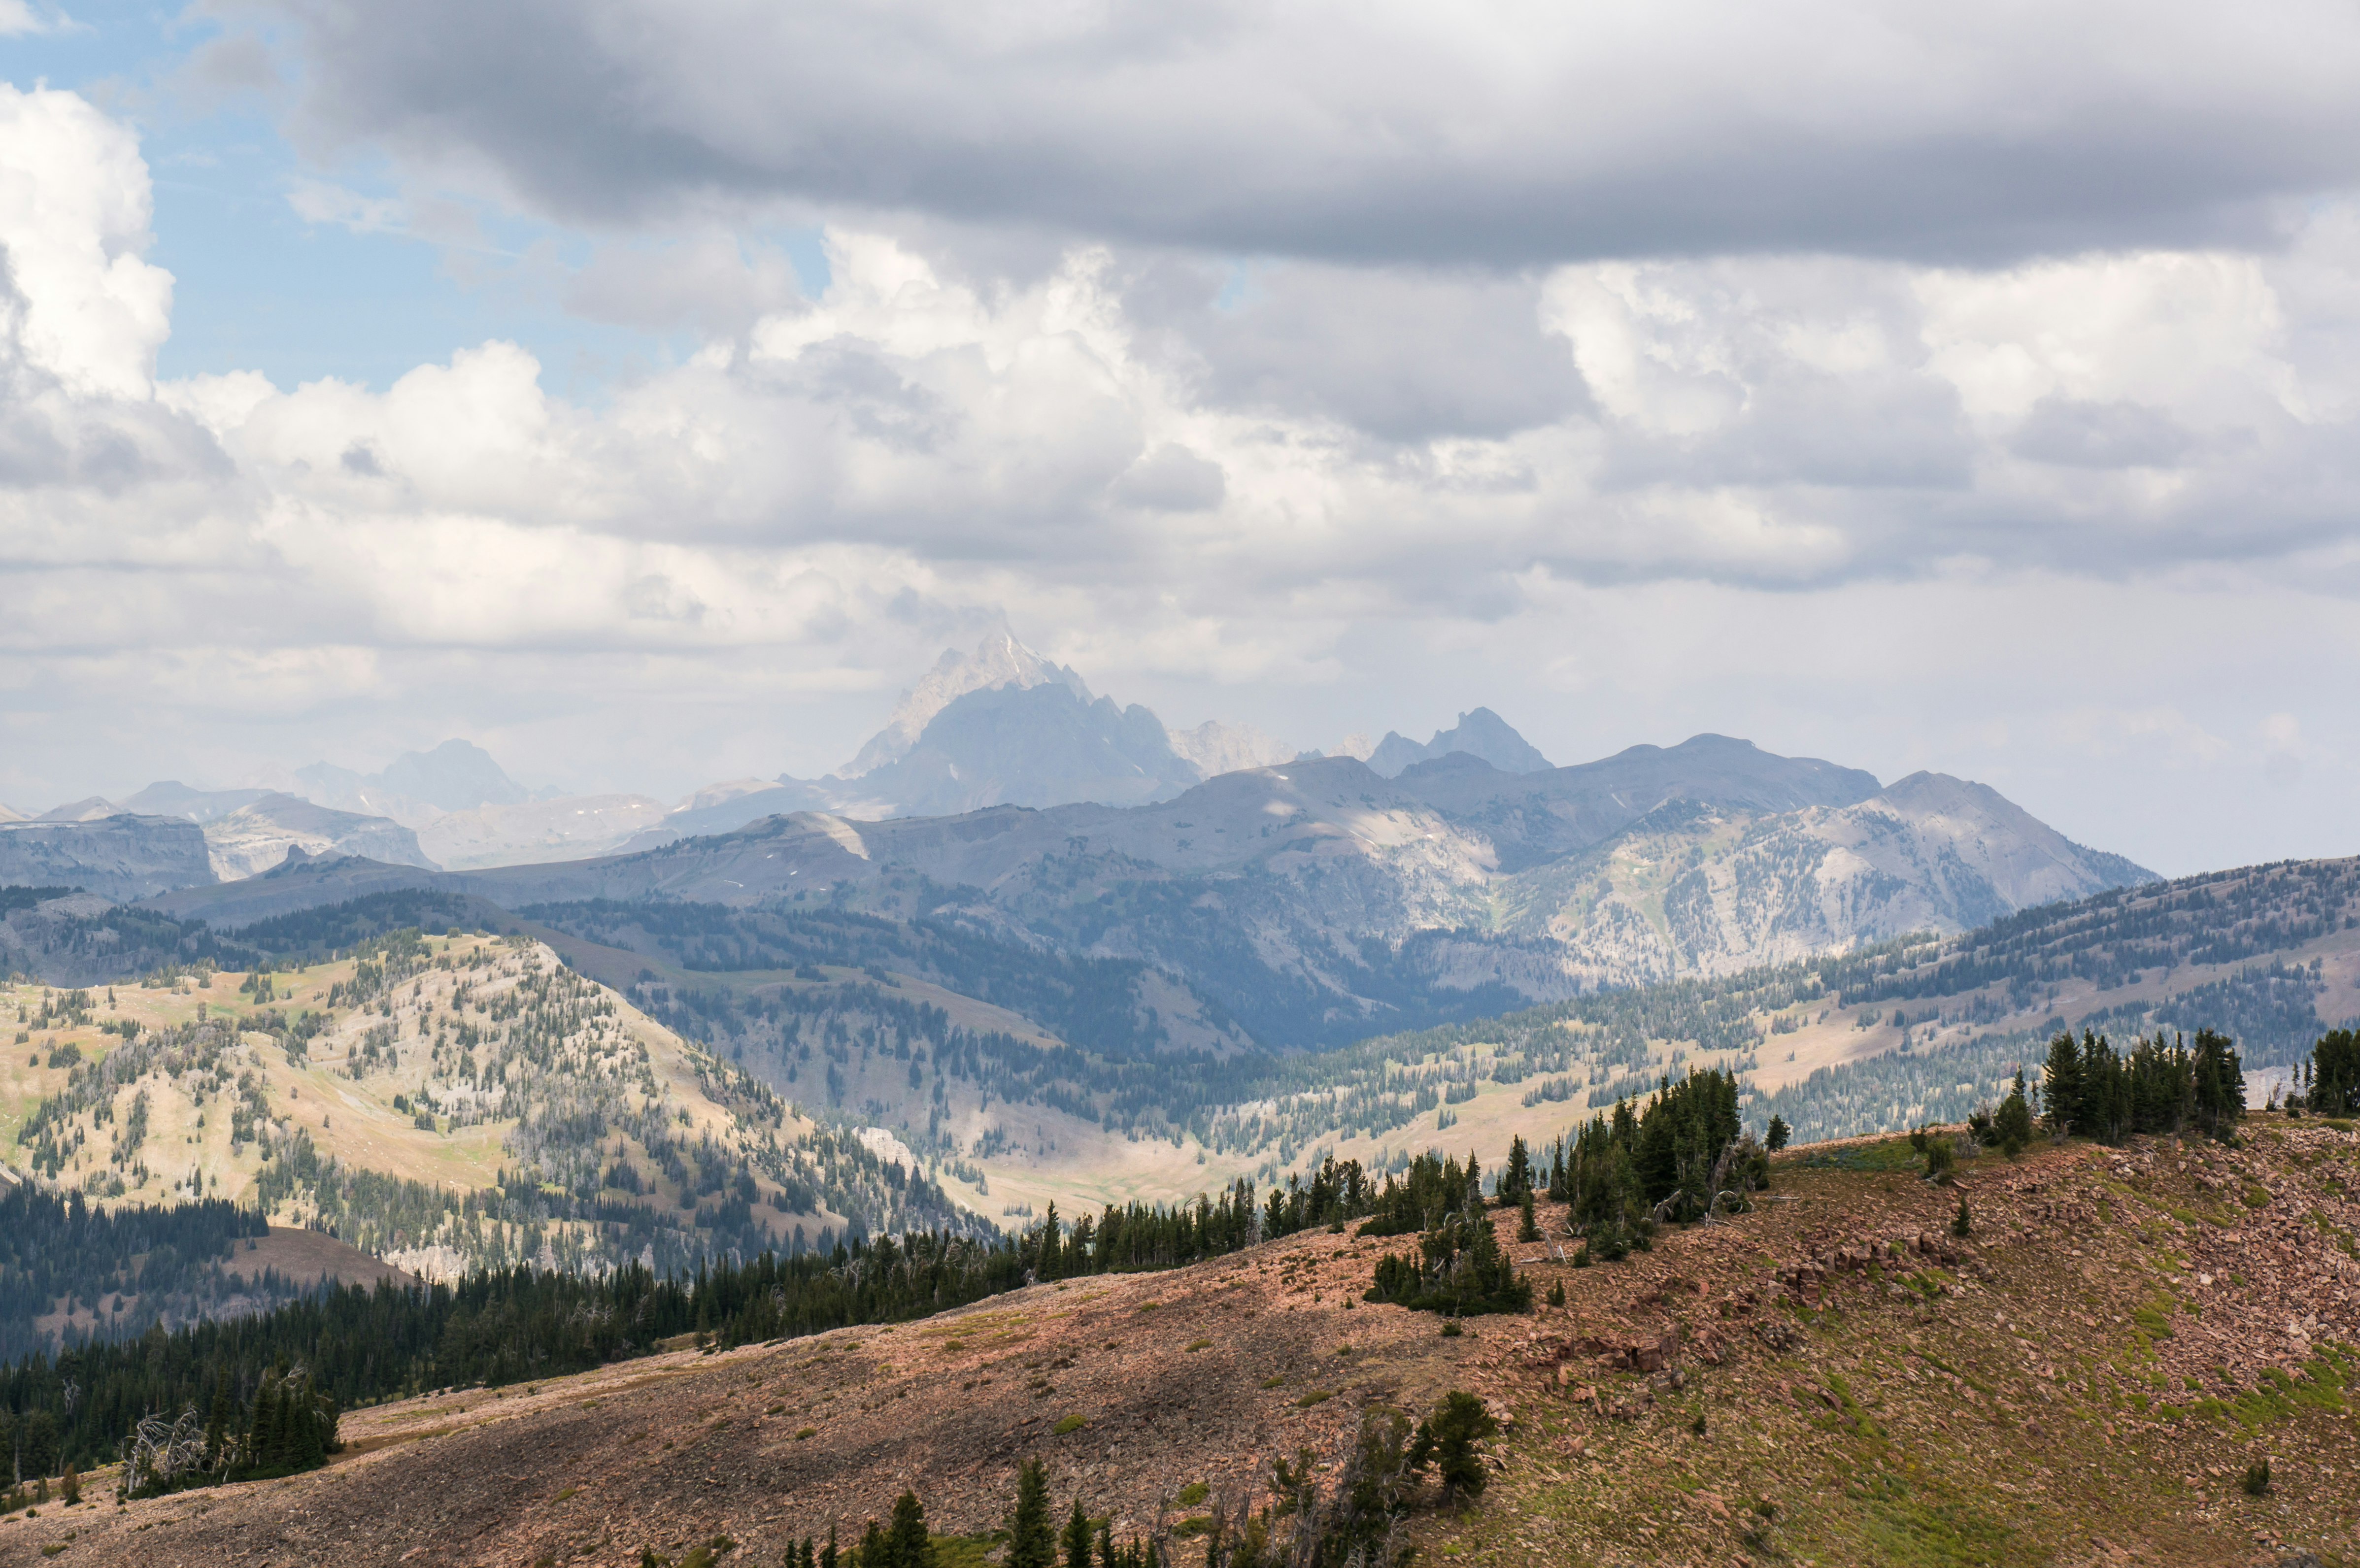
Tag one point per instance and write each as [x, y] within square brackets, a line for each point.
[2011, 1125]
[1775, 1139]
[1078, 1538]
[2060, 1087]
[907, 1544]
[1048, 1267]
[1448, 1438]
[1031, 1539]
[1527, 1224]
[1516, 1179]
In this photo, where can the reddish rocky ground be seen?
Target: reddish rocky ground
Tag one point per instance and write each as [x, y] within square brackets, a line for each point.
[2083, 1379]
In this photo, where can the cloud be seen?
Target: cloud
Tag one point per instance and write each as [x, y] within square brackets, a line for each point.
[18, 19]
[323, 201]
[1493, 132]
[1862, 505]
[82, 308]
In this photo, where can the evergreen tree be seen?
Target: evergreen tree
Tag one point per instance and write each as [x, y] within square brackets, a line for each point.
[2060, 1087]
[1527, 1223]
[1078, 1538]
[1448, 1438]
[2219, 1080]
[1775, 1139]
[875, 1551]
[2333, 1073]
[2011, 1124]
[1516, 1176]
[907, 1544]
[1031, 1539]
[1047, 1265]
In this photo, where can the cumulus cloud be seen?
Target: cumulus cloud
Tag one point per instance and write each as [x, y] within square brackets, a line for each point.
[1638, 491]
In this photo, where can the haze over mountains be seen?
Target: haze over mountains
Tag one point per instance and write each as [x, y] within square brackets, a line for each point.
[1354, 895]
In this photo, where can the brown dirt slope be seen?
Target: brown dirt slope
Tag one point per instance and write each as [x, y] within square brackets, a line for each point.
[311, 1256]
[1833, 1378]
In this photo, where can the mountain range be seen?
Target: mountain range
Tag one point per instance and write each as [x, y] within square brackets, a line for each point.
[1317, 901]
[1295, 902]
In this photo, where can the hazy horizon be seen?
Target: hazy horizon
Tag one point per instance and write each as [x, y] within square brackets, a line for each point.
[1955, 393]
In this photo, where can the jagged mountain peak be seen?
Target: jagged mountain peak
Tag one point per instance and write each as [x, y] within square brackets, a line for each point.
[999, 660]
[1479, 732]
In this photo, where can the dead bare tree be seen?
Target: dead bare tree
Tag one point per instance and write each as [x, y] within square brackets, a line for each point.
[162, 1455]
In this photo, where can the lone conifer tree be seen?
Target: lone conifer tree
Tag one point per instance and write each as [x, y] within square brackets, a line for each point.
[1448, 1438]
[2060, 1087]
[1778, 1135]
[1078, 1538]
[1031, 1539]
[906, 1543]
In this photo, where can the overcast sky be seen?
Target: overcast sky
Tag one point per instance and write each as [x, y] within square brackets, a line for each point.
[650, 391]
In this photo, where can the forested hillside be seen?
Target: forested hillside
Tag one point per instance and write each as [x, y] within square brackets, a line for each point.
[443, 1102]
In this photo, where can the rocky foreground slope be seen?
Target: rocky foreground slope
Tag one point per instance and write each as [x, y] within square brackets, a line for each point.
[1835, 1378]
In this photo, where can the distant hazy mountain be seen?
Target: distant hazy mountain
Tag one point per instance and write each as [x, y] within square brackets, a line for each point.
[119, 857]
[571, 827]
[416, 787]
[1316, 900]
[1036, 745]
[723, 809]
[1481, 734]
[973, 734]
[171, 797]
[1217, 748]
[91, 809]
[1532, 818]
[257, 836]
[999, 661]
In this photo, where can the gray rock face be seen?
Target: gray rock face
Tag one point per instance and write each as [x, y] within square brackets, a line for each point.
[1534, 818]
[999, 661]
[257, 836]
[1316, 900]
[1481, 734]
[121, 857]
[1037, 745]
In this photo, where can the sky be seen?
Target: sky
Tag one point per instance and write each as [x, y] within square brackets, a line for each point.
[648, 393]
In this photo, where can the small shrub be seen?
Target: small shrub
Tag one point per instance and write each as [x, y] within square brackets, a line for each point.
[1192, 1494]
[72, 1486]
[1277, 1382]
[2258, 1479]
[1557, 1293]
[1069, 1424]
[1317, 1396]
[1196, 1344]
[1450, 1329]
[807, 1432]
[1962, 1223]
